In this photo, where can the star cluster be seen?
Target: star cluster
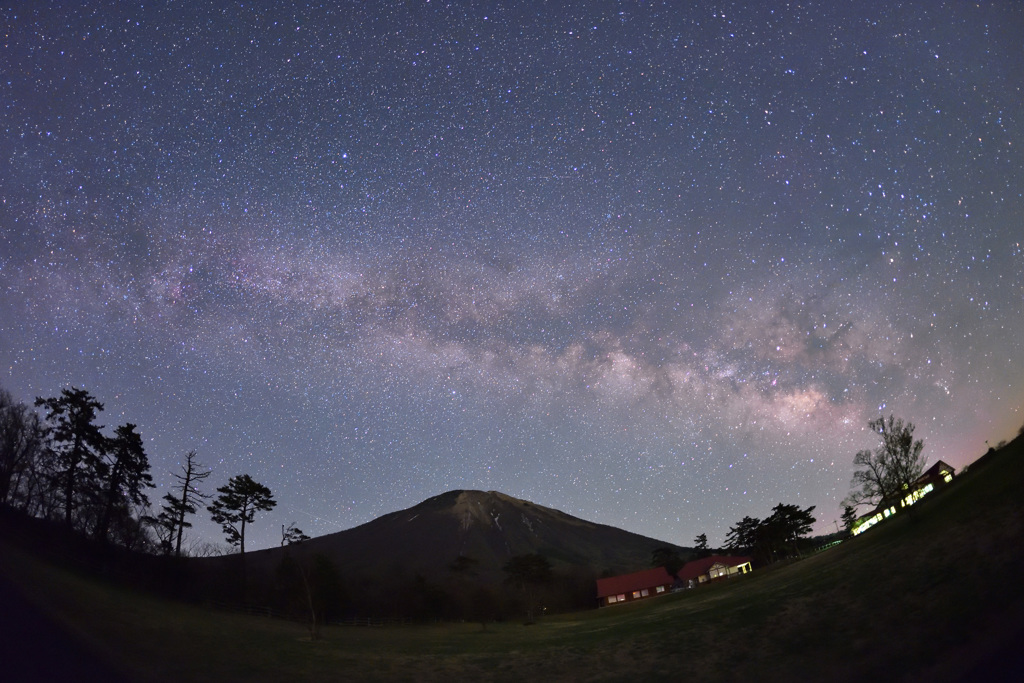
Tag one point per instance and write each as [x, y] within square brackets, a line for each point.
[654, 265]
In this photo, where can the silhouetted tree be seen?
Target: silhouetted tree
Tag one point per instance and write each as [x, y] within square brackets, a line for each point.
[889, 471]
[292, 534]
[37, 492]
[668, 558]
[462, 570]
[528, 573]
[769, 539]
[533, 568]
[785, 527]
[77, 445]
[572, 588]
[200, 548]
[849, 518]
[464, 566]
[427, 599]
[22, 444]
[743, 535]
[483, 606]
[125, 475]
[236, 506]
[701, 545]
[184, 500]
[163, 526]
[316, 584]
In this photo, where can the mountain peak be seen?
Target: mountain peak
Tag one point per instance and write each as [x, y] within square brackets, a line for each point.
[488, 526]
[477, 508]
[492, 508]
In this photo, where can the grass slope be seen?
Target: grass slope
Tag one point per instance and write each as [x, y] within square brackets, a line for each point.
[933, 597]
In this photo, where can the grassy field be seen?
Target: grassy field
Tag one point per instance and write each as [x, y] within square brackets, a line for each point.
[934, 597]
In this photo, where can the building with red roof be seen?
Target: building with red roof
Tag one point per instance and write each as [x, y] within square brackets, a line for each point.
[651, 582]
[713, 567]
[636, 586]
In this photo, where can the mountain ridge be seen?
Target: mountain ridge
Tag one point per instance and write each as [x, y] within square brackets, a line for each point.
[488, 526]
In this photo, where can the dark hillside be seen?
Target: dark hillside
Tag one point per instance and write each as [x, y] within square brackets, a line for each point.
[489, 527]
[414, 549]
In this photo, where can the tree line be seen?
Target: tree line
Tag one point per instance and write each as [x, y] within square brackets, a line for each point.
[773, 538]
[766, 540]
[57, 463]
[882, 475]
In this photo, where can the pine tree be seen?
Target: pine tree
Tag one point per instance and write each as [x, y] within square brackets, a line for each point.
[78, 446]
[292, 534]
[237, 505]
[849, 518]
[125, 475]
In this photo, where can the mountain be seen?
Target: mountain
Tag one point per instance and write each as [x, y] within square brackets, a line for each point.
[489, 527]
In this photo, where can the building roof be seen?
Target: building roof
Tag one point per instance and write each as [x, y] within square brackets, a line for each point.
[691, 570]
[936, 471]
[627, 583]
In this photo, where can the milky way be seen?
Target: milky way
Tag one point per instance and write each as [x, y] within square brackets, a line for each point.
[651, 264]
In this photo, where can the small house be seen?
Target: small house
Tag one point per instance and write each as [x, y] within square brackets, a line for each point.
[938, 474]
[712, 568]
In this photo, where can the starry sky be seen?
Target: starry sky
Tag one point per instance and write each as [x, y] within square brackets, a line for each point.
[653, 264]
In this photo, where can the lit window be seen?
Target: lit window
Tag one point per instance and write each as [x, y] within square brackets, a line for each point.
[636, 594]
[622, 597]
[659, 589]
[644, 593]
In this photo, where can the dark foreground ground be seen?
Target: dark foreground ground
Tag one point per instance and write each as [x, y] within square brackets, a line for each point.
[35, 647]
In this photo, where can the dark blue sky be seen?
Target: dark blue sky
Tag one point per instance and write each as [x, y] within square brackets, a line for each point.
[653, 264]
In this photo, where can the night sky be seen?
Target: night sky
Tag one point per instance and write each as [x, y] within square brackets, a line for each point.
[655, 265]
